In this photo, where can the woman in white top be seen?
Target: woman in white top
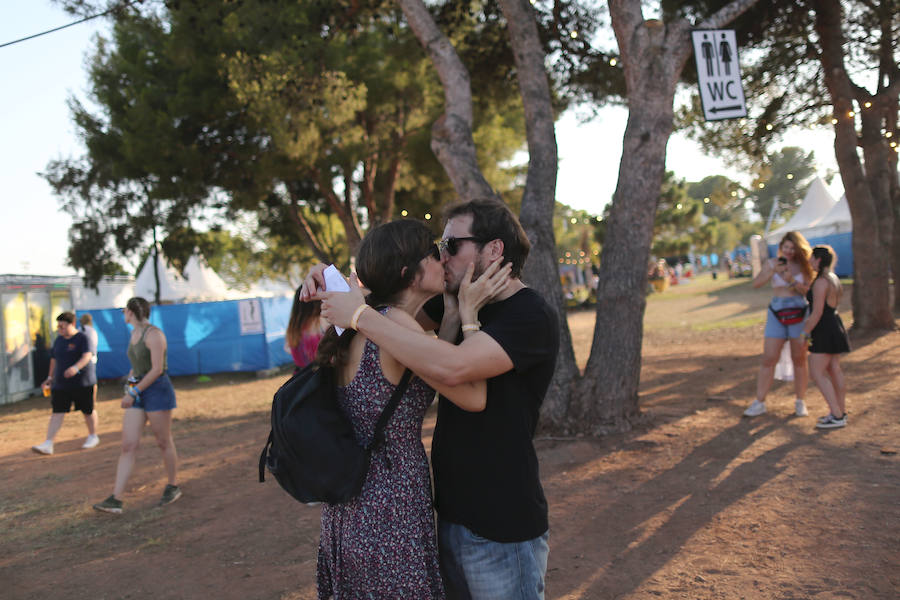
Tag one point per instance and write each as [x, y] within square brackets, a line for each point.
[790, 274]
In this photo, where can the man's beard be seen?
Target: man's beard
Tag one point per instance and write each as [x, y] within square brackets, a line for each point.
[453, 286]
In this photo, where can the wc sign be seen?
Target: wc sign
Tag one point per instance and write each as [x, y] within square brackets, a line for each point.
[719, 74]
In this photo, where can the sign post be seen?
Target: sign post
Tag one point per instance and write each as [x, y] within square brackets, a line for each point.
[719, 74]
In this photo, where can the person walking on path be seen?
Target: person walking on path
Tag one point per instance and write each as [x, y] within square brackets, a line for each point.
[790, 274]
[71, 381]
[149, 396]
[828, 338]
[87, 327]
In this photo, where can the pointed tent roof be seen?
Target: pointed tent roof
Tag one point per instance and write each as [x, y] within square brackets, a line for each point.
[836, 220]
[110, 293]
[201, 281]
[171, 284]
[816, 205]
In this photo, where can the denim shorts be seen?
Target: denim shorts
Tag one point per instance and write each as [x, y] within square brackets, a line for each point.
[476, 568]
[774, 328]
[159, 396]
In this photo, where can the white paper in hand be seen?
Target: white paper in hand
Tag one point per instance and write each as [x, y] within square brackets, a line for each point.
[335, 282]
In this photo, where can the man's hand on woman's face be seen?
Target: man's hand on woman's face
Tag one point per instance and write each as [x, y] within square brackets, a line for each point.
[490, 284]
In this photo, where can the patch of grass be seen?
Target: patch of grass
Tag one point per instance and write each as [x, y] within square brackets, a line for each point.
[730, 324]
[27, 523]
[703, 286]
[154, 543]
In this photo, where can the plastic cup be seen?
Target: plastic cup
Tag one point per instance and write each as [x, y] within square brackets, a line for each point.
[46, 390]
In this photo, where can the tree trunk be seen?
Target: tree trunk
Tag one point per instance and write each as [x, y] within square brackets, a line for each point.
[895, 202]
[607, 397]
[653, 55]
[451, 134]
[538, 201]
[871, 263]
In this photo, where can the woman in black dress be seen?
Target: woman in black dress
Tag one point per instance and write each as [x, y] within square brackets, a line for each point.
[828, 338]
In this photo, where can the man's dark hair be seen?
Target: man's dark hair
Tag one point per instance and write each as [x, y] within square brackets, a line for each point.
[493, 220]
[67, 316]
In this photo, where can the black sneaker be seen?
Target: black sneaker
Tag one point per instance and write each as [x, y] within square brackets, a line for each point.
[832, 422]
[170, 494]
[826, 418]
[110, 505]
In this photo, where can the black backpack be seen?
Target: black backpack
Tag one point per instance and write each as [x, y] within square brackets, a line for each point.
[312, 450]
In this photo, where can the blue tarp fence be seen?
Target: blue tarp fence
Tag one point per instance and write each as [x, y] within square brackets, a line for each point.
[203, 337]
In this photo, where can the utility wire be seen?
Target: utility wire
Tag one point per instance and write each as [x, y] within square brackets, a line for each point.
[103, 14]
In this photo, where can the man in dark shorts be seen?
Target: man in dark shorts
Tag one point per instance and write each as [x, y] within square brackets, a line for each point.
[71, 381]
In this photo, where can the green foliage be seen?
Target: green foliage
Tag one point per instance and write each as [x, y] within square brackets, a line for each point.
[723, 206]
[783, 177]
[782, 75]
[310, 119]
[678, 219]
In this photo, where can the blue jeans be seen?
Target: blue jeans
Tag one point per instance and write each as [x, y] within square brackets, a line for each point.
[480, 569]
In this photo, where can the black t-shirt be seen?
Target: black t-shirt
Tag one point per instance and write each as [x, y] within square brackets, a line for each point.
[67, 352]
[485, 466]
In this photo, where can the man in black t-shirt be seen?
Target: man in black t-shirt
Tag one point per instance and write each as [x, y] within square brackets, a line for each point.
[492, 513]
[71, 381]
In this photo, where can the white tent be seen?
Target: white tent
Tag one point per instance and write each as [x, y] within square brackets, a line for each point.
[816, 205]
[110, 293]
[268, 288]
[171, 284]
[836, 220]
[202, 282]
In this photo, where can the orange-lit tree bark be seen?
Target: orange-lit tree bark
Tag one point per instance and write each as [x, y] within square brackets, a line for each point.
[871, 189]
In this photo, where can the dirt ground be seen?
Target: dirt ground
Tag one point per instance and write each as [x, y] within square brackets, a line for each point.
[698, 503]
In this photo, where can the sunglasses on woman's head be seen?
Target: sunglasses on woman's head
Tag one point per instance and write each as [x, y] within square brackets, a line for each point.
[451, 244]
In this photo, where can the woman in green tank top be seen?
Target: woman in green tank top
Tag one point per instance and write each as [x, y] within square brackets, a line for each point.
[149, 396]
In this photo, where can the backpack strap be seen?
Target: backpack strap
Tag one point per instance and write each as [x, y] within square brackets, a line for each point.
[264, 456]
[389, 408]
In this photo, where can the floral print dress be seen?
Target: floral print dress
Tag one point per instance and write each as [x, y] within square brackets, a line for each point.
[382, 544]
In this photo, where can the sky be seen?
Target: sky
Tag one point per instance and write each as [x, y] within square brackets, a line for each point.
[40, 74]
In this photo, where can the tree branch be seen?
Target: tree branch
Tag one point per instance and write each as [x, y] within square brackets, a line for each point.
[306, 231]
[451, 134]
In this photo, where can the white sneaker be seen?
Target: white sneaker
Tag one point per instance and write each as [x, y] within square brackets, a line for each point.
[91, 441]
[755, 409]
[800, 408]
[45, 448]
